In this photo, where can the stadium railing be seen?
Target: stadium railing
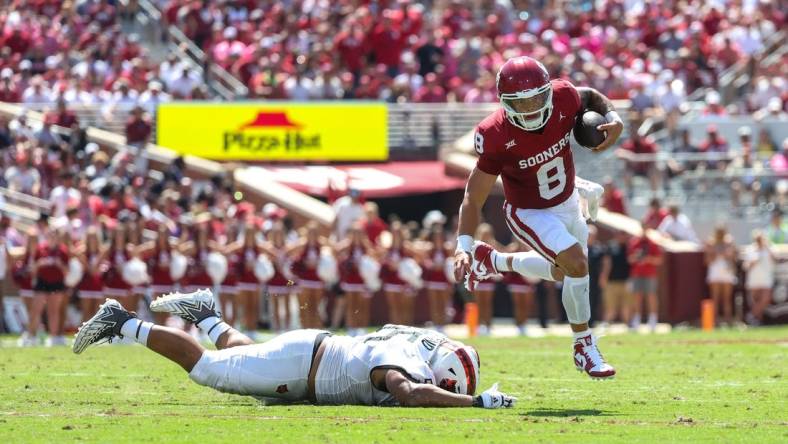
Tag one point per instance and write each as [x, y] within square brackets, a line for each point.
[415, 130]
[217, 78]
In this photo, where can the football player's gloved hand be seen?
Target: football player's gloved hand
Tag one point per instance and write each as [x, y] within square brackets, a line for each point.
[493, 399]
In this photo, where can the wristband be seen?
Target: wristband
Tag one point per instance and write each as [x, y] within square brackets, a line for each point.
[465, 243]
[478, 402]
[612, 116]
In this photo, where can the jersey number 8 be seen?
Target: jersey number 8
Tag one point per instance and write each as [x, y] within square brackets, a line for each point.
[552, 178]
[478, 143]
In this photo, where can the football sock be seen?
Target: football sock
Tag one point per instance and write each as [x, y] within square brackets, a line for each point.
[652, 320]
[574, 296]
[136, 329]
[581, 334]
[213, 327]
[528, 263]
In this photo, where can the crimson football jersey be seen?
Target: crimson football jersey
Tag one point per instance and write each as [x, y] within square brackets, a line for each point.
[536, 166]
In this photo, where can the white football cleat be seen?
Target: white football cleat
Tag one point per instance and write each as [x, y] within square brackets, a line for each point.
[588, 358]
[103, 326]
[191, 307]
[591, 192]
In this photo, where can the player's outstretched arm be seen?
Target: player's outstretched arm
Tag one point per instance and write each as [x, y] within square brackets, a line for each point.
[591, 99]
[476, 191]
[411, 394]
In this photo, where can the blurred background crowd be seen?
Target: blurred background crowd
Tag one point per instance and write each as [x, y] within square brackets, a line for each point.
[695, 138]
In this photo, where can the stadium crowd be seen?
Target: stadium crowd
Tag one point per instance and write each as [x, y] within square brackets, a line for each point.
[105, 211]
[392, 50]
[653, 53]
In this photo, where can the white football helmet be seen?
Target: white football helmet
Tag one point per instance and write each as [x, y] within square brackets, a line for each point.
[456, 367]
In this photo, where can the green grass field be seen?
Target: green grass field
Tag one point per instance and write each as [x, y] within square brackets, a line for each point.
[727, 386]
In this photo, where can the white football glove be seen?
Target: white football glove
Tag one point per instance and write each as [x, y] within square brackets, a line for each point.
[493, 399]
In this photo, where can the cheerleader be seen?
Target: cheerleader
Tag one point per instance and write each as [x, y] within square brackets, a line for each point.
[306, 254]
[91, 288]
[399, 296]
[357, 298]
[437, 284]
[522, 291]
[157, 255]
[759, 263]
[22, 274]
[720, 255]
[248, 299]
[279, 286]
[196, 251]
[134, 228]
[228, 290]
[116, 257]
[49, 272]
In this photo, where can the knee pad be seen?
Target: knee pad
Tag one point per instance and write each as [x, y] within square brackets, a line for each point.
[574, 296]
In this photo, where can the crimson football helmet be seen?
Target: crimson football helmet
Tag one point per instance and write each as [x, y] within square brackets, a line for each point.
[525, 93]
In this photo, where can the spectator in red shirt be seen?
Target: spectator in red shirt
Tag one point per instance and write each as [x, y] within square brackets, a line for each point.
[63, 117]
[8, 90]
[716, 147]
[655, 214]
[632, 152]
[613, 198]
[138, 128]
[645, 258]
[431, 91]
[373, 224]
[49, 271]
[387, 44]
[352, 45]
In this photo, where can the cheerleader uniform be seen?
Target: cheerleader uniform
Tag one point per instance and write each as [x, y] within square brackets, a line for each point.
[92, 286]
[350, 279]
[389, 271]
[278, 285]
[159, 266]
[50, 278]
[720, 269]
[247, 281]
[114, 285]
[22, 275]
[230, 284]
[435, 276]
[305, 268]
[761, 275]
[197, 276]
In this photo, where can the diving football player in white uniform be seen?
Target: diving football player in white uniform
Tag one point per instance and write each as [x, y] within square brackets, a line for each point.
[396, 365]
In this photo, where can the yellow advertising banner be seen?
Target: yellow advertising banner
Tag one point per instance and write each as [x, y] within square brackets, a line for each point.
[280, 131]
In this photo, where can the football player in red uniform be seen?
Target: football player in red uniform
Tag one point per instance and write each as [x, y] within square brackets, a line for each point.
[526, 142]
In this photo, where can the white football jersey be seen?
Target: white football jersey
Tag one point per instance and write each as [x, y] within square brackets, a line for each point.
[344, 374]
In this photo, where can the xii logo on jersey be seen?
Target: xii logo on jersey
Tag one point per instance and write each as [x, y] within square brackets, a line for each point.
[510, 144]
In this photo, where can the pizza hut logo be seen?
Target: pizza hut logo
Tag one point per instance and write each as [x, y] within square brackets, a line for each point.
[282, 389]
[271, 131]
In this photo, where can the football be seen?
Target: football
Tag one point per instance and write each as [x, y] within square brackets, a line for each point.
[585, 130]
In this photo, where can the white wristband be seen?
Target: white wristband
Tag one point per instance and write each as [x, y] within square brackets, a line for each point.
[465, 243]
[613, 116]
